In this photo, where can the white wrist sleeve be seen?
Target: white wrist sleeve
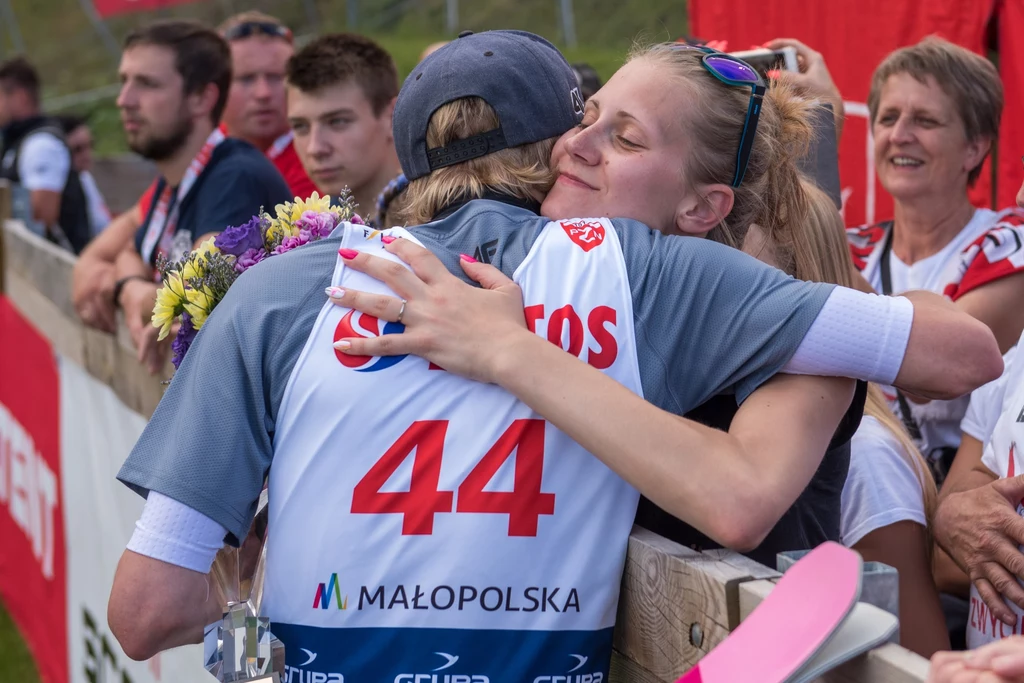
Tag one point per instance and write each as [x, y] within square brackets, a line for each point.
[858, 335]
[175, 533]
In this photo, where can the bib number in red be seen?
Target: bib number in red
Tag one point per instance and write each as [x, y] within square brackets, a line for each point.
[524, 504]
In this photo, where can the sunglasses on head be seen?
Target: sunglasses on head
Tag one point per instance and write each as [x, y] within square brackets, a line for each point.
[257, 28]
[734, 71]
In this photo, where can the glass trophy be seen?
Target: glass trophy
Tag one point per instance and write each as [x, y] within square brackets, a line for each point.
[240, 647]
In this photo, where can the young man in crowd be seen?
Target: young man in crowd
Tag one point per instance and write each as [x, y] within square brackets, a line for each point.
[341, 95]
[175, 77]
[255, 112]
[34, 156]
[260, 49]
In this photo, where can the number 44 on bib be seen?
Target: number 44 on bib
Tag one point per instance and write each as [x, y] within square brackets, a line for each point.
[524, 504]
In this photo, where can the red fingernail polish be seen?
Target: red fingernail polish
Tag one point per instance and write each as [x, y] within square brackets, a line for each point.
[388, 239]
[467, 257]
[348, 254]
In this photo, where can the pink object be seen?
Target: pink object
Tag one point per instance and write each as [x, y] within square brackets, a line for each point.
[388, 239]
[798, 617]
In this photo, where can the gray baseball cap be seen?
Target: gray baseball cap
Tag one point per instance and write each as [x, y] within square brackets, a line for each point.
[524, 78]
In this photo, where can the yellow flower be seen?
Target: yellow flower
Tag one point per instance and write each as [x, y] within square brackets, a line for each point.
[195, 266]
[169, 302]
[290, 212]
[198, 304]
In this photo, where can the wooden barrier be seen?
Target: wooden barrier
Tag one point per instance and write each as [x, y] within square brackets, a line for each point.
[676, 604]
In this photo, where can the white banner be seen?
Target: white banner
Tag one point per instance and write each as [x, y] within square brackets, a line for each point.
[97, 433]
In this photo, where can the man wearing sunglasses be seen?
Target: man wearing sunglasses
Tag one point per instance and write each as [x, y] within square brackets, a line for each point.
[256, 110]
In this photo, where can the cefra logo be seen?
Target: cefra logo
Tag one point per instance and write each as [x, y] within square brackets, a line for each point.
[324, 593]
[366, 323]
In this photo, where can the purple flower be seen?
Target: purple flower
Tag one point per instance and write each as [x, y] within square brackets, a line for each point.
[287, 244]
[249, 259]
[237, 241]
[317, 224]
[186, 335]
[356, 220]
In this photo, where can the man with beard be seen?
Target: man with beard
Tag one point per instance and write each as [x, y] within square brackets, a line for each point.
[255, 112]
[35, 157]
[175, 77]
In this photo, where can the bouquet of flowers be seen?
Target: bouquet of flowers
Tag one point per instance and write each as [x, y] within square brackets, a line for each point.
[195, 284]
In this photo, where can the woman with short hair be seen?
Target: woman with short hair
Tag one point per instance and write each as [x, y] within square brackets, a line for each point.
[934, 115]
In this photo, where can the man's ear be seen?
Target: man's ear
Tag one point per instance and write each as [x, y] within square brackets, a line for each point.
[388, 113]
[699, 212]
[203, 102]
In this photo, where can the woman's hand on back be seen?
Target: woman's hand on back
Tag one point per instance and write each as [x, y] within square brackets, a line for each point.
[464, 329]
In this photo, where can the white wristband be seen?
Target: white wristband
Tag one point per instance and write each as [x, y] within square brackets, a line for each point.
[857, 335]
[175, 533]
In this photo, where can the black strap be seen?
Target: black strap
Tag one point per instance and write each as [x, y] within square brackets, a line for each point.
[885, 271]
[464, 150]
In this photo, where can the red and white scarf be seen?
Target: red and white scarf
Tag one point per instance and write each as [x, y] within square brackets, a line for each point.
[164, 219]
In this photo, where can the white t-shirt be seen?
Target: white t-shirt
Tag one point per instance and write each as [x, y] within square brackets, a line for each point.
[1004, 458]
[882, 487]
[986, 403]
[99, 214]
[44, 163]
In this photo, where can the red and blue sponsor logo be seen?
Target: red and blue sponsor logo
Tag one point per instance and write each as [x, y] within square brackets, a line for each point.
[356, 324]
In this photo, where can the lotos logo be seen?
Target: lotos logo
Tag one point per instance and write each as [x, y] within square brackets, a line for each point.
[367, 323]
[324, 593]
[586, 234]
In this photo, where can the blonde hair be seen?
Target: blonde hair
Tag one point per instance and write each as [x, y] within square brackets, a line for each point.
[970, 80]
[523, 172]
[819, 253]
[770, 193]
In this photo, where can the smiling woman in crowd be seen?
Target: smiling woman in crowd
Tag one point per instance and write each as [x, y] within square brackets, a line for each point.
[935, 111]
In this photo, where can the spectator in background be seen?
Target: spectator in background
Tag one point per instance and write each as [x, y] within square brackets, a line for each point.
[935, 111]
[341, 95]
[175, 77]
[35, 156]
[889, 496]
[79, 139]
[256, 112]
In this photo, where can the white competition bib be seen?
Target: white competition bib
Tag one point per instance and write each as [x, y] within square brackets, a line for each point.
[425, 527]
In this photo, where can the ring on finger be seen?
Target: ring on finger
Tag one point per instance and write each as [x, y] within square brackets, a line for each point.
[401, 312]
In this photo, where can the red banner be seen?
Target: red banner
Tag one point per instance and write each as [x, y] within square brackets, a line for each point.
[855, 36]
[33, 581]
[1011, 68]
[109, 8]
